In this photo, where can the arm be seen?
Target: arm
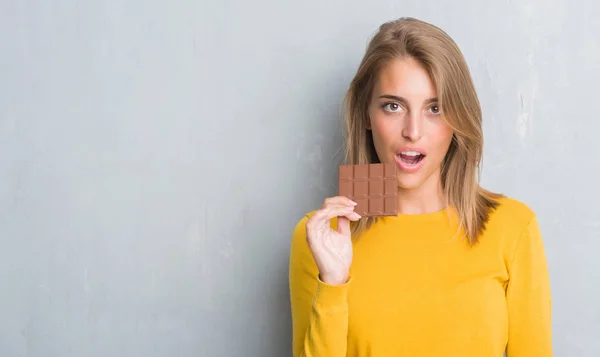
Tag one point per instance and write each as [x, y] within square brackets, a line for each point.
[319, 310]
[528, 298]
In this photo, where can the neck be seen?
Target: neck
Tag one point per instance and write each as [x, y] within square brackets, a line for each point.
[427, 198]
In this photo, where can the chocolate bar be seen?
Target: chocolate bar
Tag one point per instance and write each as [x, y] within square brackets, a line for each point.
[373, 186]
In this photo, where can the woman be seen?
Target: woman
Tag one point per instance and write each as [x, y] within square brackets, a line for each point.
[460, 271]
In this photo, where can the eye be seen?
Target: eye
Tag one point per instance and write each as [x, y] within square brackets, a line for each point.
[392, 107]
[434, 109]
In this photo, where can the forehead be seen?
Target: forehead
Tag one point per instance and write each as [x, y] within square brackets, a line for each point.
[404, 77]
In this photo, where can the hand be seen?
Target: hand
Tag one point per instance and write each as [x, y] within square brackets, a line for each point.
[332, 250]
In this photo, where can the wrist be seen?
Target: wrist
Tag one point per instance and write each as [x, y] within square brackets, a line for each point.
[334, 279]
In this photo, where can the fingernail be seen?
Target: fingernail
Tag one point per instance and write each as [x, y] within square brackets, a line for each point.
[357, 216]
[354, 203]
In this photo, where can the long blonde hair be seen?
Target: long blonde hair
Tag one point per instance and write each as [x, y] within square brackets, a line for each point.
[443, 60]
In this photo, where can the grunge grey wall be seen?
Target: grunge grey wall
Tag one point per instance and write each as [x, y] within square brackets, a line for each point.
[155, 157]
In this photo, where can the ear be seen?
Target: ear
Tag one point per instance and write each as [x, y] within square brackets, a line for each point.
[368, 122]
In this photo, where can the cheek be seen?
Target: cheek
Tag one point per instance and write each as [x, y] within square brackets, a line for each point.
[441, 138]
[382, 136]
[383, 131]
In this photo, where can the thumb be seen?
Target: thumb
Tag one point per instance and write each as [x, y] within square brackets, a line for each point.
[343, 224]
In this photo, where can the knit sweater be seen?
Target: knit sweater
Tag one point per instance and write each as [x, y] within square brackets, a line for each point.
[417, 288]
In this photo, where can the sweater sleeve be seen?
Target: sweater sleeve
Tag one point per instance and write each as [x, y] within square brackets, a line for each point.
[319, 310]
[528, 298]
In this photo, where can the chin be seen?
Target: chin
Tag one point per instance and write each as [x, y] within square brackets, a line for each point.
[409, 182]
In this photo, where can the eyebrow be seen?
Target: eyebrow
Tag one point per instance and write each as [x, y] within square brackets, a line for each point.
[404, 101]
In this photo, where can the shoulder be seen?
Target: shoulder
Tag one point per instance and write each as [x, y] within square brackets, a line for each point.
[509, 222]
[301, 258]
[513, 212]
[299, 243]
[516, 226]
[300, 225]
[300, 228]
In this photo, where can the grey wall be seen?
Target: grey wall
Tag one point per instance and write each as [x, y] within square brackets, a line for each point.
[155, 156]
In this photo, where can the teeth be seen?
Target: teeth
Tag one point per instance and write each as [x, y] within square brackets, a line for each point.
[411, 153]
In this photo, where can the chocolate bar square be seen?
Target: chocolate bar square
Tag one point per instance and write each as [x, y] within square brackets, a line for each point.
[373, 186]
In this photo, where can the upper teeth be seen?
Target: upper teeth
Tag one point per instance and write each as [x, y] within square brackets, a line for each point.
[411, 153]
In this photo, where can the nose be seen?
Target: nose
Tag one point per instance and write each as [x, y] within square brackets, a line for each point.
[413, 126]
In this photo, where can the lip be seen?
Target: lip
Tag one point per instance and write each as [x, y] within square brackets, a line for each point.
[411, 148]
[409, 168]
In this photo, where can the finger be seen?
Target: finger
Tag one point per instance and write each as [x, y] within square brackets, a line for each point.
[344, 226]
[322, 216]
[338, 200]
[342, 211]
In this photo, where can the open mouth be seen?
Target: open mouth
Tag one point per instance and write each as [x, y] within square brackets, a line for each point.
[411, 157]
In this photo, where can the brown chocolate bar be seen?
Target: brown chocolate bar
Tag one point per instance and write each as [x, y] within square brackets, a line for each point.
[373, 186]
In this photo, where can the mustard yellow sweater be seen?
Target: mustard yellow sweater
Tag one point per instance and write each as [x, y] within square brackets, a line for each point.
[417, 289]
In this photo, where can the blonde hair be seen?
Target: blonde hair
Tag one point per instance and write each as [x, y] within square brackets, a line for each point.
[441, 57]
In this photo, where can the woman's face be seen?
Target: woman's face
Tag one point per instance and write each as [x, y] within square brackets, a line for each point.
[406, 123]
